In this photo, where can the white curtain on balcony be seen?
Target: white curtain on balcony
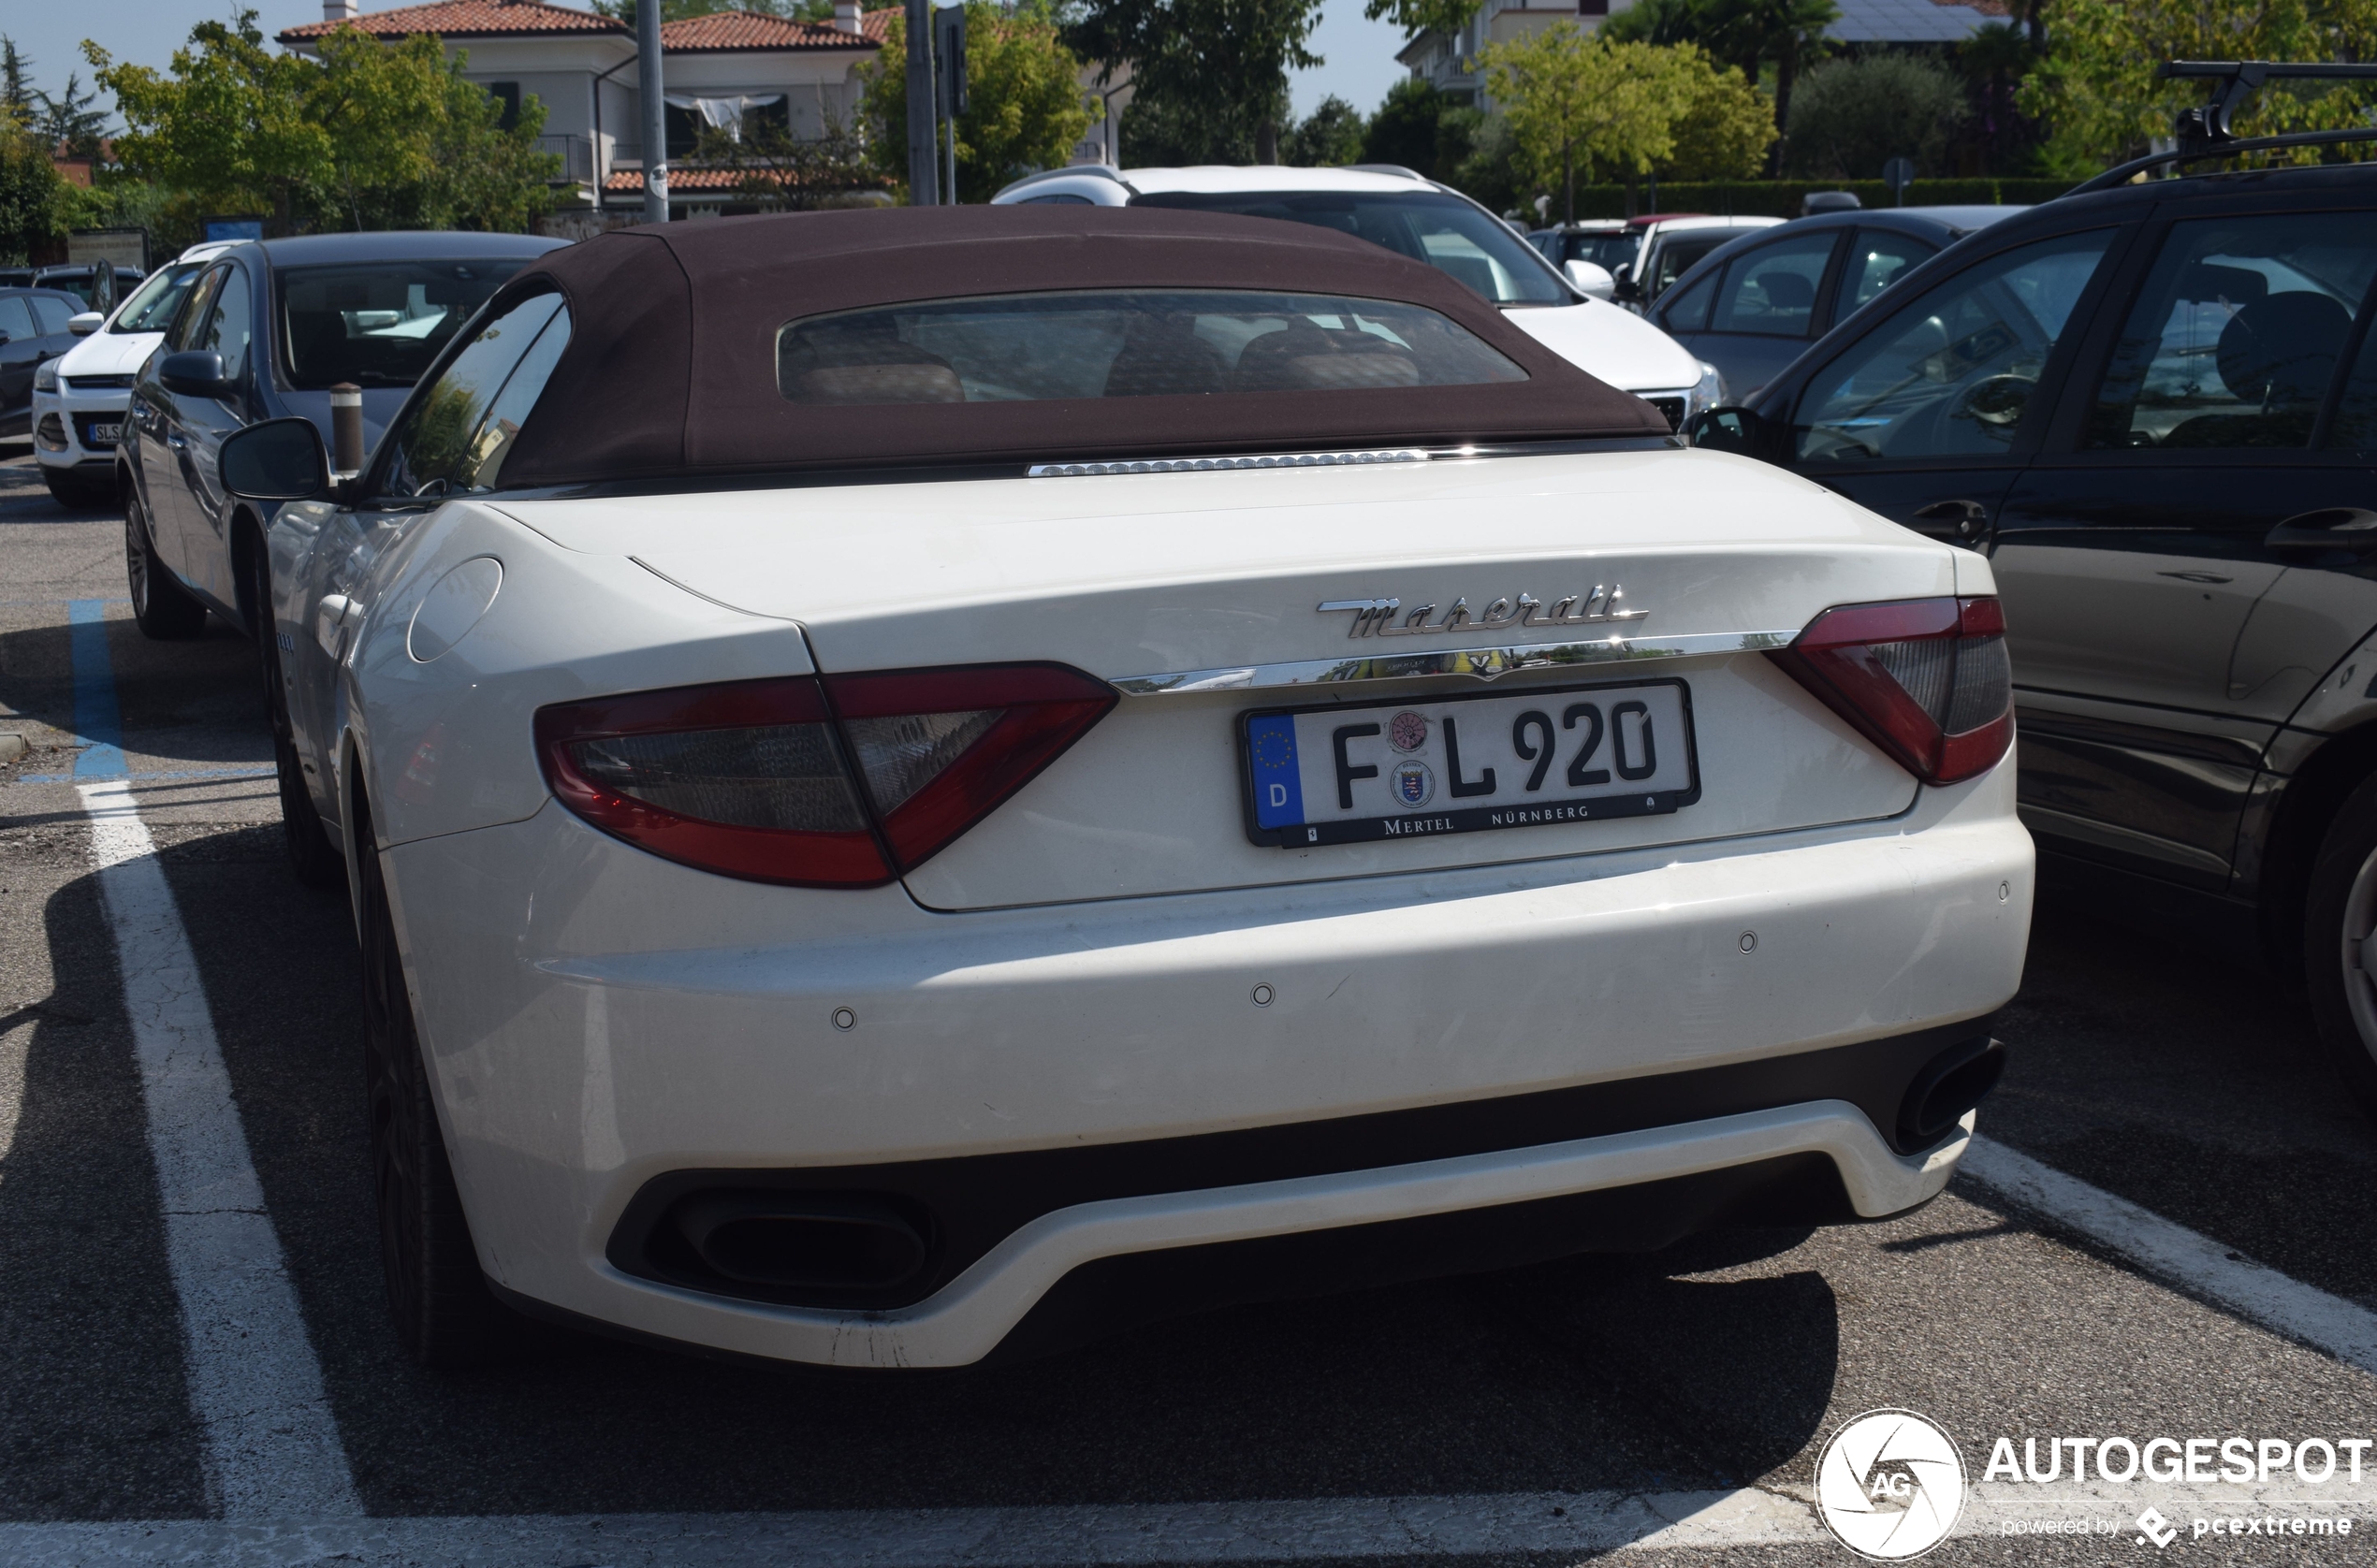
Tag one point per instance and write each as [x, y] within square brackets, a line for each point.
[725, 114]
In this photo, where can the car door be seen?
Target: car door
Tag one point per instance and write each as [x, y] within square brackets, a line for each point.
[2163, 633]
[20, 352]
[1926, 416]
[1764, 311]
[160, 444]
[229, 331]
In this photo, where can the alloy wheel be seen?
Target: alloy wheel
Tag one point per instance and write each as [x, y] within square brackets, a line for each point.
[2357, 953]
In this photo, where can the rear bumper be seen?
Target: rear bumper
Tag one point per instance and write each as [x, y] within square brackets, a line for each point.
[600, 1021]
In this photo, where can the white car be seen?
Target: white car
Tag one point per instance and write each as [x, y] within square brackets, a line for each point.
[1666, 248]
[1569, 312]
[79, 398]
[918, 782]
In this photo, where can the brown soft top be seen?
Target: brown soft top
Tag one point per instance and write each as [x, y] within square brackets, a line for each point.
[671, 367]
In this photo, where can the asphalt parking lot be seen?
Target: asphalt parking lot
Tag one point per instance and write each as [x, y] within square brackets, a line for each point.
[2167, 1233]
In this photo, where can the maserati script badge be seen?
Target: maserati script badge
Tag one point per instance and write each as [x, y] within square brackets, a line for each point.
[1383, 618]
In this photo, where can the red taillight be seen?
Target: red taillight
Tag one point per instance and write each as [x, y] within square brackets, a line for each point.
[1925, 679]
[756, 778]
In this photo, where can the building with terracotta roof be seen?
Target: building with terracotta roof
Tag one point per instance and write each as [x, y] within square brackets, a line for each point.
[728, 69]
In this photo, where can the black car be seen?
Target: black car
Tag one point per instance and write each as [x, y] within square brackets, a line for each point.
[1751, 307]
[266, 332]
[2153, 408]
[98, 286]
[33, 331]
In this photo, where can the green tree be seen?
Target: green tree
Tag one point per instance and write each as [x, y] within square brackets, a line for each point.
[370, 134]
[2098, 92]
[1025, 108]
[1331, 136]
[30, 192]
[1575, 101]
[1218, 61]
[1852, 116]
[1416, 17]
[1724, 125]
[67, 120]
[1746, 34]
[18, 101]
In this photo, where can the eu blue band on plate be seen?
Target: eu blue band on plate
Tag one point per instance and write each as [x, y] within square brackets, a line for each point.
[1271, 752]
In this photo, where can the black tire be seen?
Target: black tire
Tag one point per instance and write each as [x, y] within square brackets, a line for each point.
[76, 493]
[315, 859]
[2339, 963]
[444, 1312]
[163, 607]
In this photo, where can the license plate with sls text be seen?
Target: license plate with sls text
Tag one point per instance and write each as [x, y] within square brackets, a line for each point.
[1347, 775]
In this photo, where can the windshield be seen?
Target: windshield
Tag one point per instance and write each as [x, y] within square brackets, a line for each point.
[1126, 343]
[378, 323]
[1444, 231]
[152, 306]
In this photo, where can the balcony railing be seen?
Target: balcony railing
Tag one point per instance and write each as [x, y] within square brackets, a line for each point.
[576, 154]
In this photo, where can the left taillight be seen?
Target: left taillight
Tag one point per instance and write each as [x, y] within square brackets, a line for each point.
[842, 781]
[1925, 679]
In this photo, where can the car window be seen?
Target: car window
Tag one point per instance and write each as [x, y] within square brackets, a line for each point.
[1126, 343]
[229, 324]
[1679, 253]
[2235, 335]
[1771, 292]
[379, 323]
[152, 306]
[195, 309]
[1688, 311]
[1876, 258]
[1950, 373]
[51, 316]
[1444, 231]
[455, 434]
[15, 319]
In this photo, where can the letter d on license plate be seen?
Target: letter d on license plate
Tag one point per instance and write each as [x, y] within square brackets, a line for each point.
[1346, 774]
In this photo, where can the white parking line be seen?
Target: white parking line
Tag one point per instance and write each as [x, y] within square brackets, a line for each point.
[2174, 1253]
[272, 1447]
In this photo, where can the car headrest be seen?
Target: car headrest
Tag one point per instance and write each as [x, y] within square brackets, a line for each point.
[2283, 349]
[1787, 291]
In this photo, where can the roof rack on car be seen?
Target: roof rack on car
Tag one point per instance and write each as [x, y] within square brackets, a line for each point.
[2205, 131]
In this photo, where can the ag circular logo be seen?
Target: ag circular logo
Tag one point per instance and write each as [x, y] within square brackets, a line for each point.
[1889, 1485]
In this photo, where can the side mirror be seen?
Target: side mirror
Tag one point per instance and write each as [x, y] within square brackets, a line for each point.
[281, 459]
[83, 325]
[1591, 279]
[194, 373]
[1625, 290]
[1739, 430]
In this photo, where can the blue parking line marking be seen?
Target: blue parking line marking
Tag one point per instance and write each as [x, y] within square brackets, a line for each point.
[259, 770]
[97, 722]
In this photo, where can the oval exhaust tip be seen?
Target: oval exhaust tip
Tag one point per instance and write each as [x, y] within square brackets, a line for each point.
[1950, 1084]
[825, 1241]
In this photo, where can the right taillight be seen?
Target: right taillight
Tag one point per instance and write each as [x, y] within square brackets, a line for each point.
[843, 782]
[1925, 679]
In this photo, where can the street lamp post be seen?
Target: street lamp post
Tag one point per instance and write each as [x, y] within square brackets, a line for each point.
[648, 85]
[923, 157]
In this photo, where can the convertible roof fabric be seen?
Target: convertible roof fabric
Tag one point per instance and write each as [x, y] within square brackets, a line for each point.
[672, 362]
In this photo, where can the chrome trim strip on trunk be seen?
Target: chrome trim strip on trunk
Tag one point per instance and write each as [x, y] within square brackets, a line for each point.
[1473, 663]
[1201, 465]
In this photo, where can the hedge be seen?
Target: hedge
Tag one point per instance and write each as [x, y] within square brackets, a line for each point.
[1780, 198]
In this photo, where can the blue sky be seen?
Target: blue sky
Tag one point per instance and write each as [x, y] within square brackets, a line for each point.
[1360, 53]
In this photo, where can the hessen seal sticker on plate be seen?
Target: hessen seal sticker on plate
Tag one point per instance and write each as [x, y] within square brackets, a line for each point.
[1357, 773]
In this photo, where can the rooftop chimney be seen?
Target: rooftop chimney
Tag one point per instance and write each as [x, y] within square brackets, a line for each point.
[340, 10]
[846, 16]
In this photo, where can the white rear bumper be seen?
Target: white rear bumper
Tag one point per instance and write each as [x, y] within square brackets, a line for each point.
[597, 1018]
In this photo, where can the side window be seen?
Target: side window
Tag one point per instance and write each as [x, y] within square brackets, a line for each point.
[1681, 253]
[1876, 257]
[2355, 426]
[15, 319]
[227, 327]
[196, 310]
[2235, 335]
[51, 315]
[1771, 292]
[1949, 373]
[1689, 312]
[446, 440]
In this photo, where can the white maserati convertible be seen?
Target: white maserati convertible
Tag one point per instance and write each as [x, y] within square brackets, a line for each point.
[919, 784]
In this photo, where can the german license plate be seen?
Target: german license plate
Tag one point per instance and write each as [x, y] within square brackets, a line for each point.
[1350, 774]
[97, 433]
